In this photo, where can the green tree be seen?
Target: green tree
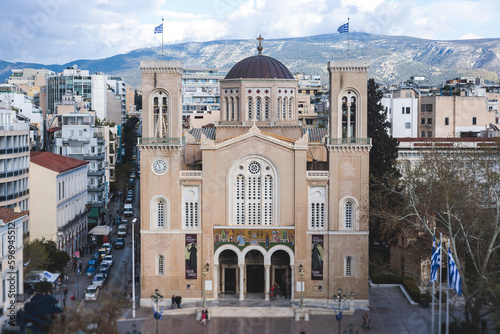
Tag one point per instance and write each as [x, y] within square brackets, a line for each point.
[383, 170]
[41, 254]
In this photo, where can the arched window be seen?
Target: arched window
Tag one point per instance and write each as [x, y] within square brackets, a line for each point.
[352, 118]
[250, 102]
[344, 117]
[232, 109]
[227, 109]
[348, 215]
[348, 267]
[278, 109]
[257, 109]
[160, 213]
[284, 109]
[254, 193]
[237, 108]
[160, 113]
[161, 265]
[190, 202]
[290, 104]
[266, 109]
[317, 211]
[348, 115]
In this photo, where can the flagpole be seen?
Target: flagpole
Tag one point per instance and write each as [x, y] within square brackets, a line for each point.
[162, 29]
[440, 278]
[448, 292]
[348, 28]
[433, 297]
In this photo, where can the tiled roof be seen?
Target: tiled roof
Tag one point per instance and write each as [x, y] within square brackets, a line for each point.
[316, 134]
[8, 215]
[55, 162]
[290, 140]
[209, 132]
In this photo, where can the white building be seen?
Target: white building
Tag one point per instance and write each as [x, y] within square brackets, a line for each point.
[14, 161]
[58, 188]
[12, 231]
[402, 112]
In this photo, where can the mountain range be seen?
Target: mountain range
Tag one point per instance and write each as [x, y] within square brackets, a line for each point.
[392, 58]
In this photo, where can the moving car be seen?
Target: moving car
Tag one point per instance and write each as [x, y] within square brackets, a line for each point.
[91, 293]
[119, 243]
[130, 198]
[90, 271]
[109, 260]
[127, 210]
[99, 280]
[122, 230]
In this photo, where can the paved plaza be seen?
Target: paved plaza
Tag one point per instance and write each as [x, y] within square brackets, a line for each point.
[390, 312]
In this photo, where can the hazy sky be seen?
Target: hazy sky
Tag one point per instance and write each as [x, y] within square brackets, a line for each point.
[58, 31]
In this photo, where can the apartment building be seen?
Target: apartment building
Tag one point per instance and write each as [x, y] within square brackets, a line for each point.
[402, 107]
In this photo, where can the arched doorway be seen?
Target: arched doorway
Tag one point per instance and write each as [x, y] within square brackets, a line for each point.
[254, 261]
[280, 271]
[228, 262]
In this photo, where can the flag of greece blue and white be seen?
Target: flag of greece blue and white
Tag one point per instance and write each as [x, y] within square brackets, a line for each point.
[344, 28]
[454, 280]
[159, 29]
[435, 260]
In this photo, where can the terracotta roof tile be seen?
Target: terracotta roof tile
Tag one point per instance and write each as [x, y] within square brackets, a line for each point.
[55, 162]
[8, 215]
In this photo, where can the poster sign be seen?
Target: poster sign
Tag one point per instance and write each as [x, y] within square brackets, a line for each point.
[317, 257]
[77, 254]
[266, 238]
[191, 256]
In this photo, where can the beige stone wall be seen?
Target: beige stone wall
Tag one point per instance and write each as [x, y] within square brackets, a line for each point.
[43, 213]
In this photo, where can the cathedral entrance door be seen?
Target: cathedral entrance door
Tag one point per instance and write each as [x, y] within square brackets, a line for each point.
[230, 280]
[255, 278]
[281, 279]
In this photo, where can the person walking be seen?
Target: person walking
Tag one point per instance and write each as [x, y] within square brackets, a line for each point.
[204, 317]
[366, 321]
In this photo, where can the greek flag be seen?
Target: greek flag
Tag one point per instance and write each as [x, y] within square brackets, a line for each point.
[159, 29]
[343, 28]
[435, 260]
[454, 280]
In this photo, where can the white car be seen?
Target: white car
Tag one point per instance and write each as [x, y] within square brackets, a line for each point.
[91, 293]
[98, 280]
[109, 260]
[107, 246]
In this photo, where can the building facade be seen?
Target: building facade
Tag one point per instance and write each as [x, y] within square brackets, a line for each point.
[14, 161]
[247, 204]
[59, 208]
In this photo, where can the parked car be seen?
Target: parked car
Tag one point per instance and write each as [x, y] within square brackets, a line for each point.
[130, 192]
[104, 264]
[93, 262]
[90, 271]
[119, 243]
[104, 272]
[122, 230]
[132, 175]
[91, 293]
[99, 280]
[102, 253]
[127, 210]
[109, 260]
[130, 198]
[107, 246]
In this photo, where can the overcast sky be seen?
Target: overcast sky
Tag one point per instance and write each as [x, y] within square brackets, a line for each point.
[59, 31]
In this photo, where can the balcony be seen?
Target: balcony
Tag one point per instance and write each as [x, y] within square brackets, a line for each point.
[80, 139]
[317, 175]
[162, 141]
[96, 172]
[5, 174]
[93, 156]
[96, 203]
[14, 150]
[96, 187]
[17, 195]
[348, 141]
[74, 221]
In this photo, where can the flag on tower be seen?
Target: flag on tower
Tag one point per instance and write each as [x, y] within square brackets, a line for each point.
[159, 29]
[454, 280]
[435, 260]
[344, 28]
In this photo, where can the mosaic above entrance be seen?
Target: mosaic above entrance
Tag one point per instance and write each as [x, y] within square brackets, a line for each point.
[242, 238]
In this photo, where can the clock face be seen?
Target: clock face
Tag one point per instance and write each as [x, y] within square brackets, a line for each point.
[159, 167]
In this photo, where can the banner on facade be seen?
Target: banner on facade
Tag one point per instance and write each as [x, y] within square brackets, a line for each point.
[317, 257]
[266, 238]
[191, 256]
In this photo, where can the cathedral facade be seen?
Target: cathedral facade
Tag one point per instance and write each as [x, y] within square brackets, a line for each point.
[255, 200]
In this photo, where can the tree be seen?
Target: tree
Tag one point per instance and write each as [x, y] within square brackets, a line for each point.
[41, 254]
[458, 192]
[383, 155]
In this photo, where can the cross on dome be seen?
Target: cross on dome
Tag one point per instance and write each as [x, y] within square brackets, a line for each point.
[260, 48]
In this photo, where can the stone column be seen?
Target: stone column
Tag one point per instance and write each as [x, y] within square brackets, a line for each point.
[216, 282]
[293, 287]
[242, 284]
[267, 269]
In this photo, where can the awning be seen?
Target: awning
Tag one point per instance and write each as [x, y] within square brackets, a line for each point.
[100, 230]
[92, 221]
[94, 213]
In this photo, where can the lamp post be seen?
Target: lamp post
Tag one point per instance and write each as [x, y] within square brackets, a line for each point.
[204, 273]
[156, 298]
[341, 299]
[133, 268]
[301, 273]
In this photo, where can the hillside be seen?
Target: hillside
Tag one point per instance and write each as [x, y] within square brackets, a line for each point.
[392, 58]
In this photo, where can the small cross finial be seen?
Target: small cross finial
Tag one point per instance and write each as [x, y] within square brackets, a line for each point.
[260, 48]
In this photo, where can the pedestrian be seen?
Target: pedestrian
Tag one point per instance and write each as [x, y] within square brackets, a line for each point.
[81, 267]
[203, 317]
[366, 321]
[173, 302]
[65, 292]
[74, 266]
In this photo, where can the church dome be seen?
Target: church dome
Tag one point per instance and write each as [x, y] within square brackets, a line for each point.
[259, 67]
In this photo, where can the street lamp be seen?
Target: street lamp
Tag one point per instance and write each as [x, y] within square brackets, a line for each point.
[301, 273]
[204, 273]
[156, 298]
[341, 299]
[133, 268]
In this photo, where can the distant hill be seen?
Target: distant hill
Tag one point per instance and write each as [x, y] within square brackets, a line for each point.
[392, 58]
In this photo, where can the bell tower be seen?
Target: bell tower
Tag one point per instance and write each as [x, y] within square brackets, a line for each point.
[162, 99]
